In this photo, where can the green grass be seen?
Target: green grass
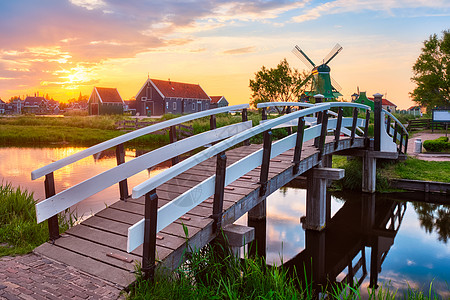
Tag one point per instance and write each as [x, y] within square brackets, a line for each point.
[417, 169]
[19, 232]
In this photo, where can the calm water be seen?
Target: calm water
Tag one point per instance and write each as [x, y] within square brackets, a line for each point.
[415, 250]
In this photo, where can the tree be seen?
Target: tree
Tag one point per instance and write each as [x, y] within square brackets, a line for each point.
[280, 84]
[432, 72]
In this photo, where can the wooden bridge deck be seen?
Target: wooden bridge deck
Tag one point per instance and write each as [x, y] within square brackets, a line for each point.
[98, 245]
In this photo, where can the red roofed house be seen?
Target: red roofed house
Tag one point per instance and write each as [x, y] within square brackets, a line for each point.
[218, 101]
[386, 104]
[105, 101]
[159, 97]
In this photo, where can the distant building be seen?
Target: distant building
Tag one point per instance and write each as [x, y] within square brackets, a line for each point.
[159, 97]
[2, 106]
[363, 99]
[34, 105]
[387, 105]
[14, 107]
[218, 101]
[105, 101]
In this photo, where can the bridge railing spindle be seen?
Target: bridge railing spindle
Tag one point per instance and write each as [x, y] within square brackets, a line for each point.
[337, 132]
[264, 175]
[219, 190]
[288, 111]
[366, 130]
[377, 121]
[245, 119]
[123, 185]
[406, 144]
[401, 142]
[150, 223]
[53, 226]
[298, 144]
[355, 119]
[323, 133]
[173, 139]
[394, 137]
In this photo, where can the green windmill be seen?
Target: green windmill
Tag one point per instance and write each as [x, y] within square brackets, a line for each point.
[322, 82]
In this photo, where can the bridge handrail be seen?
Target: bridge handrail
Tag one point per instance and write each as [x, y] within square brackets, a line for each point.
[188, 163]
[127, 137]
[183, 203]
[398, 122]
[71, 196]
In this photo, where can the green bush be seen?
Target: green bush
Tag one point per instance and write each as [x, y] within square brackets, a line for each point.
[438, 145]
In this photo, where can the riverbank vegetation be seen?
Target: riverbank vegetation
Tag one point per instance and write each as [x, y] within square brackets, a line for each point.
[207, 275]
[19, 232]
[26, 131]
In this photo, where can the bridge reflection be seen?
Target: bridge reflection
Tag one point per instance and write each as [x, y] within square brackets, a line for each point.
[337, 254]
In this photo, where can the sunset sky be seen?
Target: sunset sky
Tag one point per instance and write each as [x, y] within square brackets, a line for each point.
[64, 47]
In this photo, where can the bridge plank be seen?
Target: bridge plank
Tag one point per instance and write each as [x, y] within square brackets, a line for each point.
[119, 276]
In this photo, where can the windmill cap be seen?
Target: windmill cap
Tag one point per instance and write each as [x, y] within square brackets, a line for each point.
[323, 68]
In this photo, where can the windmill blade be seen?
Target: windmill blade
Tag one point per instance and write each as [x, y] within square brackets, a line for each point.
[302, 56]
[336, 85]
[337, 48]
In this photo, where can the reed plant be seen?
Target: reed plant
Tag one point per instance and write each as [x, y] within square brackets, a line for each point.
[19, 231]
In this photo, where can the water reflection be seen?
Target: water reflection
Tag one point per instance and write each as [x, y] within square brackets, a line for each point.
[17, 164]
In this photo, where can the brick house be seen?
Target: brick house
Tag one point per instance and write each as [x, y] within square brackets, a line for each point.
[159, 97]
[386, 104]
[218, 101]
[105, 101]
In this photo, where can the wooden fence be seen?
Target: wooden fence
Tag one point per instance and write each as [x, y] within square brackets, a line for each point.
[425, 124]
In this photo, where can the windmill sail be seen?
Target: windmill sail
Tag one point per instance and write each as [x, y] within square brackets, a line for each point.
[337, 48]
[303, 57]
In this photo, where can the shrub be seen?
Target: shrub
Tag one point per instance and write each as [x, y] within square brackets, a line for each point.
[438, 145]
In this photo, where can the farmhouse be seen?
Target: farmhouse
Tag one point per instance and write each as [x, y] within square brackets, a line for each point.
[105, 101]
[159, 97]
[218, 101]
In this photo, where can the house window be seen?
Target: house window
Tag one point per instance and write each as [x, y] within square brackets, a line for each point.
[193, 106]
[167, 105]
[175, 105]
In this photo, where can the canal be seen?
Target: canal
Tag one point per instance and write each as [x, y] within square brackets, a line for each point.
[409, 232]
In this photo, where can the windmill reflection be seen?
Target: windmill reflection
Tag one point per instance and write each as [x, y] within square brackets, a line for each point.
[338, 253]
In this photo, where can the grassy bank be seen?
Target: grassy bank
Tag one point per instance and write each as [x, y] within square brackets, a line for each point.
[90, 130]
[207, 275]
[411, 168]
[19, 232]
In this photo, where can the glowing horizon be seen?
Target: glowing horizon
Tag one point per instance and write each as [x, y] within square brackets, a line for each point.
[62, 48]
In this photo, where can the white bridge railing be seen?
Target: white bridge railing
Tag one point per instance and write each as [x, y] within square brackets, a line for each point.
[58, 202]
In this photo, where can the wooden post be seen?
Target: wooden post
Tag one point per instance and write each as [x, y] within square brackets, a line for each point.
[377, 121]
[245, 119]
[318, 99]
[394, 138]
[355, 118]
[289, 129]
[406, 143]
[316, 200]
[123, 185]
[149, 249]
[369, 174]
[298, 144]
[257, 219]
[323, 133]
[401, 142]
[212, 122]
[53, 226]
[337, 132]
[388, 123]
[264, 175]
[173, 139]
[264, 113]
[221, 166]
[366, 130]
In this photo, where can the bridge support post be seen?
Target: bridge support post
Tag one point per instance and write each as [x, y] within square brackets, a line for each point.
[257, 219]
[316, 199]
[221, 166]
[369, 173]
[377, 121]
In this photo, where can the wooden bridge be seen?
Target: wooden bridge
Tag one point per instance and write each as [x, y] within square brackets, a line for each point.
[189, 202]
